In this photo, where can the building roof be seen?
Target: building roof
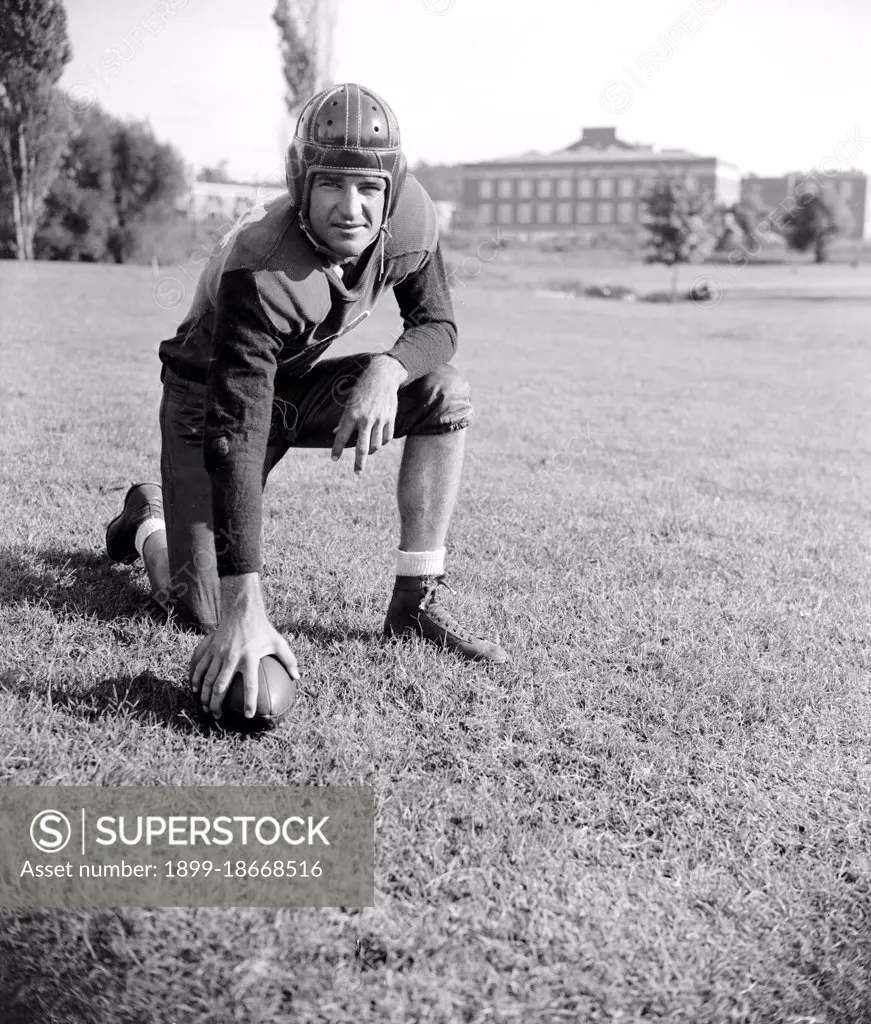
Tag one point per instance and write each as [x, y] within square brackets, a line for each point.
[242, 184]
[601, 138]
[850, 172]
[596, 146]
[595, 156]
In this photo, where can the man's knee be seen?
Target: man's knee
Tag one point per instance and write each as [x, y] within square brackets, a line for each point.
[443, 400]
[446, 381]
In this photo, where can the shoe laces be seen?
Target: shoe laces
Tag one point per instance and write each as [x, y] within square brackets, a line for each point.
[431, 586]
[429, 603]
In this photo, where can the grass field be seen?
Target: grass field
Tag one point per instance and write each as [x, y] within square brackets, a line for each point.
[658, 812]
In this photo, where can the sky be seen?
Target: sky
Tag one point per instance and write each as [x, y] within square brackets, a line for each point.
[769, 85]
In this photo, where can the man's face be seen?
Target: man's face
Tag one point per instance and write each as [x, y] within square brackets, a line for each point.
[346, 210]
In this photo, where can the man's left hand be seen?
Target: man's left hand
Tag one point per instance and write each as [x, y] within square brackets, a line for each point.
[371, 410]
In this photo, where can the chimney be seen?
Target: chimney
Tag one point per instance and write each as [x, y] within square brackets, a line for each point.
[598, 138]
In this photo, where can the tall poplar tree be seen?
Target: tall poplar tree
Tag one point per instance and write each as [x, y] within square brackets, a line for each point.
[34, 122]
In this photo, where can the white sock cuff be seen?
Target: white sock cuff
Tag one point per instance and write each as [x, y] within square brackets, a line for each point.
[420, 563]
[144, 531]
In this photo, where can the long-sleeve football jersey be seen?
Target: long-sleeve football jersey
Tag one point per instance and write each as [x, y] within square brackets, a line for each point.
[266, 305]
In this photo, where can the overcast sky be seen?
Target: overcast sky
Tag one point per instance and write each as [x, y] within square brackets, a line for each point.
[770, 85]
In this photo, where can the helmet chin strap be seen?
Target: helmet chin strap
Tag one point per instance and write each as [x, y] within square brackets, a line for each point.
[383, 233]
[318, 245]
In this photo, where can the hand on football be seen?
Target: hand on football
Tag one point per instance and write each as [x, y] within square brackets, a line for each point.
[244, 636]
[371, 410]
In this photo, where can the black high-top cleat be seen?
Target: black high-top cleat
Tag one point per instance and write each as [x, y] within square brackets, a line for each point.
[416, 611]
[141, 502]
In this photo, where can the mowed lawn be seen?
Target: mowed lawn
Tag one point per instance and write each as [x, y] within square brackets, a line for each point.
[658, 812]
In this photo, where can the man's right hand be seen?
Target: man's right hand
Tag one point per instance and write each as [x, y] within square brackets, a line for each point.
[244, 636]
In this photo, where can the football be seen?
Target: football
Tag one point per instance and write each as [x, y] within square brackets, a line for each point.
[276, 693]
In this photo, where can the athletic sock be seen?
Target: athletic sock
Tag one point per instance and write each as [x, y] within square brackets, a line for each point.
[144, 531]
[420, 563]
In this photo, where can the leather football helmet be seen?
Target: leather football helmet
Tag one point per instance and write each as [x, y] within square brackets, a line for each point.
[349, 129]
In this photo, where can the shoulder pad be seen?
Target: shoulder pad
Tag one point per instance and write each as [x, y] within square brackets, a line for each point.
[289, 274]
[414, 227]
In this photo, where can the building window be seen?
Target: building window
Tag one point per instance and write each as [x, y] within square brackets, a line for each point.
[545, 188]
[544, 213]
[505, 213]
[504, 188]
[605, 213]
[846, 189]
[585, 188]
[691, 182]
[485, 189]
[626, 187]
[626, 212]
[524, 213]
[488, 211]
[585, 213]
[564, 213]
[564, 188]
[524, 188]
[606, 187]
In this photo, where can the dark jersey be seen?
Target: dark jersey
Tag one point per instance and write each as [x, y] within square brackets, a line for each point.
[269, 305]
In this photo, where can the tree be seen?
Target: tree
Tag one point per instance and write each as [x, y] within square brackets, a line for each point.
[737, 223]
[34, 122]
[306, 31]
[79, 213]
[117, 184]
[147, 176]
[819, 215]
[7, 226]
[219, 173]
[679, 225]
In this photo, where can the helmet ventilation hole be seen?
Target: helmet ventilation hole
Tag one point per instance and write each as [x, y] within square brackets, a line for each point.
[376, 128]
[329, 122]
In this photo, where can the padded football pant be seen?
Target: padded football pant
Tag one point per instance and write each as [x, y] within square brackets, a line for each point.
[305, 412]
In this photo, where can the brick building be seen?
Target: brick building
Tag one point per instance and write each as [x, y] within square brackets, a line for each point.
[593, 185]
[851, 185]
